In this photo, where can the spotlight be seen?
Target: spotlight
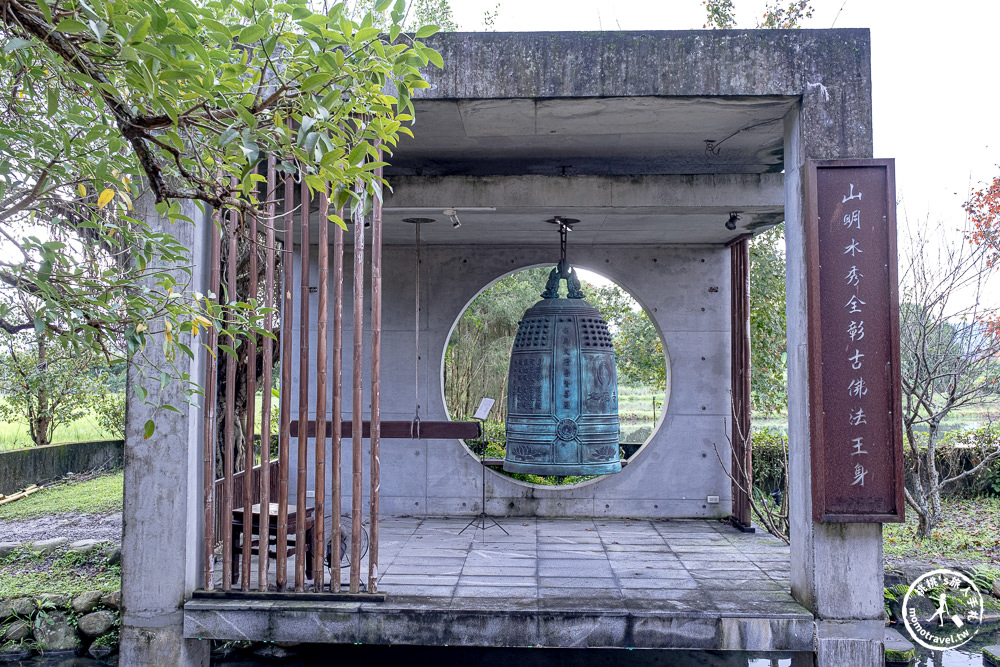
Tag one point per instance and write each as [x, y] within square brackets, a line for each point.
[733, 218]
[453, 215]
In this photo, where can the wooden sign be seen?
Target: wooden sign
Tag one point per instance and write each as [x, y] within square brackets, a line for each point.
[854, 391]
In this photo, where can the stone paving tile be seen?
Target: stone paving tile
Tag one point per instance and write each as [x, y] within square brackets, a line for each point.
[396, 589]
[632, 583]
[576, 582]
[511, 581]
[499, 571]
[487, 594]
[425, 568]
[652, 572]
[577, 593]
[418, 579]
[713, 565]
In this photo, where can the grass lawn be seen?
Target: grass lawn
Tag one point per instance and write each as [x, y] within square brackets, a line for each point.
[14, 435]
[970, 532]
[26, 574]
[93, 496]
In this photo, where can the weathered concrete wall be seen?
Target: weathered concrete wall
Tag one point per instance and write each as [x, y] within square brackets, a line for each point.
[686, 291]
[832, 64]
[34, 465]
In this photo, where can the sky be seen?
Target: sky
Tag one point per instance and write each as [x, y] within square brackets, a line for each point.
[935, 101]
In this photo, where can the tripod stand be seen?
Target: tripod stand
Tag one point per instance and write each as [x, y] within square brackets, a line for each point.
[480, 521]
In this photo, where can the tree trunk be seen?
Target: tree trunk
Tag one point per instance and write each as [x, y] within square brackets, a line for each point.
[41, 422]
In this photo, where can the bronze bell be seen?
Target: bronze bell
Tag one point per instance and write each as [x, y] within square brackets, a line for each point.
[562, 401]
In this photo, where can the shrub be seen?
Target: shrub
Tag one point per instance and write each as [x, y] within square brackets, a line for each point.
[769, 457]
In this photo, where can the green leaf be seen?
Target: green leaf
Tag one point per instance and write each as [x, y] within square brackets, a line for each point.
[252, 34]
[435, 58]
[427, 31]
[148, 429]
[72, 26]
[16, 43]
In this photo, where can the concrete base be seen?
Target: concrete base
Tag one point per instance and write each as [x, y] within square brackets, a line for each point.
[163, 645]
[571, 583]
[857, 643]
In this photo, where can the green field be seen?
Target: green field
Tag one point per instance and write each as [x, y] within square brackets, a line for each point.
[15, 435]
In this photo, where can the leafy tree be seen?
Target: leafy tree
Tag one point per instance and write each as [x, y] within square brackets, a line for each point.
[983, 208]
[43, 385]
[105, 102]
[947, 356]
[768, 382]
[478, 353]
[720, 14]
[638, 347]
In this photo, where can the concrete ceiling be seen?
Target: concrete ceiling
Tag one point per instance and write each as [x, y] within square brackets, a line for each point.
[508, 165]
[623, 135]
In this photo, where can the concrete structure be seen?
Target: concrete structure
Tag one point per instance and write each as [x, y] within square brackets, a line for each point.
[650, 139]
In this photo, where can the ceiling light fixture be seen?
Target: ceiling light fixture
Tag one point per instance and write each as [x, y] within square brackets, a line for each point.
[734, 217]
[453, 216]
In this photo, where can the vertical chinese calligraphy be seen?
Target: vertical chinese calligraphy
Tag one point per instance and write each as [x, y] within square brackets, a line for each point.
[854, 387]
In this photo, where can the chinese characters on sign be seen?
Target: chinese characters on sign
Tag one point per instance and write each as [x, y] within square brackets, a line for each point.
[854, 342]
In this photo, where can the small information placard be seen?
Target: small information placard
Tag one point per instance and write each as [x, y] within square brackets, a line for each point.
[854, 390]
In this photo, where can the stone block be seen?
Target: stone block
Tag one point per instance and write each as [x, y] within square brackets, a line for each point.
[991, 656]
[96, 623]
[84, 546]
[11, 653]
[112, 600]
[85, 602]
[17, 607]
[54, 634]
[16, 631]
[6, 548]
[898, 651]
[48, 546]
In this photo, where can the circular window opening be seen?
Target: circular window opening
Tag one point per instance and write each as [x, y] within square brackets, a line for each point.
[477, 358]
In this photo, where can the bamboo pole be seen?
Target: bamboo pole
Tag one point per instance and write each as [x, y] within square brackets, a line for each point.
[376, 416]
[250, 423]
[321, 379]
[301, 463]
[285, 394]
[229, 421]
[208, 414]
[338, 401]
[356, 445]
[264, 561]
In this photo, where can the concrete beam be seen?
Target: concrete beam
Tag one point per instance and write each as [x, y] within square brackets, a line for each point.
[416, 624]
[665, 193]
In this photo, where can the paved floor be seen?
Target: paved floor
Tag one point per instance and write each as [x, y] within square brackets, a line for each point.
[550, 582]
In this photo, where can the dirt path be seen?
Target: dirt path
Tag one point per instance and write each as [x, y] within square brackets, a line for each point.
[73, 526]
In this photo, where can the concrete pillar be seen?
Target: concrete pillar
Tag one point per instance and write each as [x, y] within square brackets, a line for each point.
[836, 568]
[161, 559]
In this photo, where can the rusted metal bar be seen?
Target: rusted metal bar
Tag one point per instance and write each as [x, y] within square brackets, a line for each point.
[400, 430]
[208, 434]
[321, 379]
[356, 445]
[301, 462]
[285, 393]
[250, 424]
[376, 410]
[229, 418]
[268, 360]
[740, 378]
[338, 400]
